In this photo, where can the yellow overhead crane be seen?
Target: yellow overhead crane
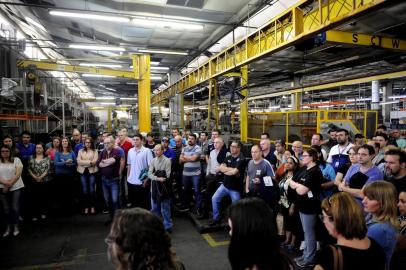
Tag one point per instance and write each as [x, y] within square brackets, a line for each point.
[141, 73]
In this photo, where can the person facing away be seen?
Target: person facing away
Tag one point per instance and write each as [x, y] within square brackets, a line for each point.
[138, 240]
[254, 241]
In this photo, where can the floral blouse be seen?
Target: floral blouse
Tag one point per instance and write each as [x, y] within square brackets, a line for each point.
[38, 168]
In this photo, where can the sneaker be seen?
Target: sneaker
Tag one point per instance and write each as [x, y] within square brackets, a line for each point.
[304, 264]
[43, 216]
[16, 230]
[302, 245]
[7, 232]
[183, 209]
[318, 246]
[34, 219]
[105, 211]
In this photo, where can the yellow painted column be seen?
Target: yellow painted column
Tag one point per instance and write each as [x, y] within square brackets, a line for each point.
[209, 105]
[244, 106]
[182, 112]
[144, 92]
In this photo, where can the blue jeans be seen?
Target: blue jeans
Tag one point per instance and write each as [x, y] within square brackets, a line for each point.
[187, 182]
[11, 206]
[110, 193]
[221, 192]
[309, 229]
[163, 210]
[88, 189]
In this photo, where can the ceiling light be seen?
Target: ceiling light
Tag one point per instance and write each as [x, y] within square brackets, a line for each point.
[131, 83]
[97, 75]
[51, 43]
[159, 68]
[128, 98]
[100, 65]
[156, 78]
[389, 102]
[38, 25]
[107, 103]
[397, 97]
[358, 99]
[105, 98]
[89, 16]
[96, 47]
[153, 23]
[162, 52]
[110, 89]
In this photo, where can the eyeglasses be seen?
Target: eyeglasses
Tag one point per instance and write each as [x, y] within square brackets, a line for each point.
[5, 151]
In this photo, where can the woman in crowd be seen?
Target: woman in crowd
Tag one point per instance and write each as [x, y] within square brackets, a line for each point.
[281, 169]
[11, 184]
[56, 144]
[353, 155]
[65, 165]
[87, 158]
[38, 168]
[8, 141]
[399, 255]
[307, 184]
[380, 203]
[254, 242]
[138, 240]
[358, 251]
[328, 172]
[287, 203]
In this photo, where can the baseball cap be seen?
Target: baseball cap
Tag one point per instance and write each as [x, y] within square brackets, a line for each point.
[165, 139]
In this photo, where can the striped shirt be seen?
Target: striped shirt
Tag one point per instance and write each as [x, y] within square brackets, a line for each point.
[192, 168]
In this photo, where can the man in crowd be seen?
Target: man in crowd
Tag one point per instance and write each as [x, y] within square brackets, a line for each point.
[280, 149]
[125, 145]
[190, 158]
[81, 144]
[177, 169]
[382, 139]
[232, 169]
[76, 138]
[401, 142]
[150, 143]
[359, 139]
[361, 174]
[167, 151]
[203, 143]
[26, 149]
[109, 167]
[210, 146]
[332, 141]
[138, 161]
[175, 132]
[297, 148]
[267, 154]
[395, 168]
[338, 156]
[159, 172]
[213, 177]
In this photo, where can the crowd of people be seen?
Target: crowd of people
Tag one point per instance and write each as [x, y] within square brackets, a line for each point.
[346, 198]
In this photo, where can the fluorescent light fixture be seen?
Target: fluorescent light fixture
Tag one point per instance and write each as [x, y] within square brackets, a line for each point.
[100, 65]
[51, 43]
[97, 76]
[105, 98]
[162, 52]
[159, 68]
[96, 47]
[111, 89]
[38, 25]
[154, 23]
[128, 98]
[389, 102]
[156, 78]
[131, 83]
[107, 103]
[397, 97]
[89, 16]
[358, 99]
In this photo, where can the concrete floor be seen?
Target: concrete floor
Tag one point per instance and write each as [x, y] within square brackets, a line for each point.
[77, 242]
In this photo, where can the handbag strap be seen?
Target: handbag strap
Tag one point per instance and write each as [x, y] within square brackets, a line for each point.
[337, 257]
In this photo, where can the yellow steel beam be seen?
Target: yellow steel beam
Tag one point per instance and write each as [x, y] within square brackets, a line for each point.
[324, 86]
[334, 36]
[298, 23]
[101, 108]
[244, 106]
[109, 128]
[209, 104]
[144, 93]
[42, 65]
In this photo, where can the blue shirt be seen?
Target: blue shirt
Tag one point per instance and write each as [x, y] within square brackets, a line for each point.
[60, 163]
[169, 153]
[329, 175]
[78, 147]
[384, 234]
[173, 144]
[26, 151]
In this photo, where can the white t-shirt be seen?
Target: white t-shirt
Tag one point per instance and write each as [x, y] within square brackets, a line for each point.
[139, 159]
[7, 171]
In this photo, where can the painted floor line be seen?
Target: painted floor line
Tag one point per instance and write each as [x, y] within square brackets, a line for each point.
[212, 242]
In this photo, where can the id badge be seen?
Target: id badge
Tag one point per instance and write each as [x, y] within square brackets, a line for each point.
[337, 164]
[310, 194]
[268, 181]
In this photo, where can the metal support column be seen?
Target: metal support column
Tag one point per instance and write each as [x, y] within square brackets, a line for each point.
[182, 112]
[209, 104]
[244, 106]
[63, 112]
[109, 119]
[144, 92]
[216, 103]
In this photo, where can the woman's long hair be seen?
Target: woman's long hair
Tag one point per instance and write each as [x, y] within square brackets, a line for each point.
[141, 241]
[11, 159]
[254, 241]
[385, 193]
